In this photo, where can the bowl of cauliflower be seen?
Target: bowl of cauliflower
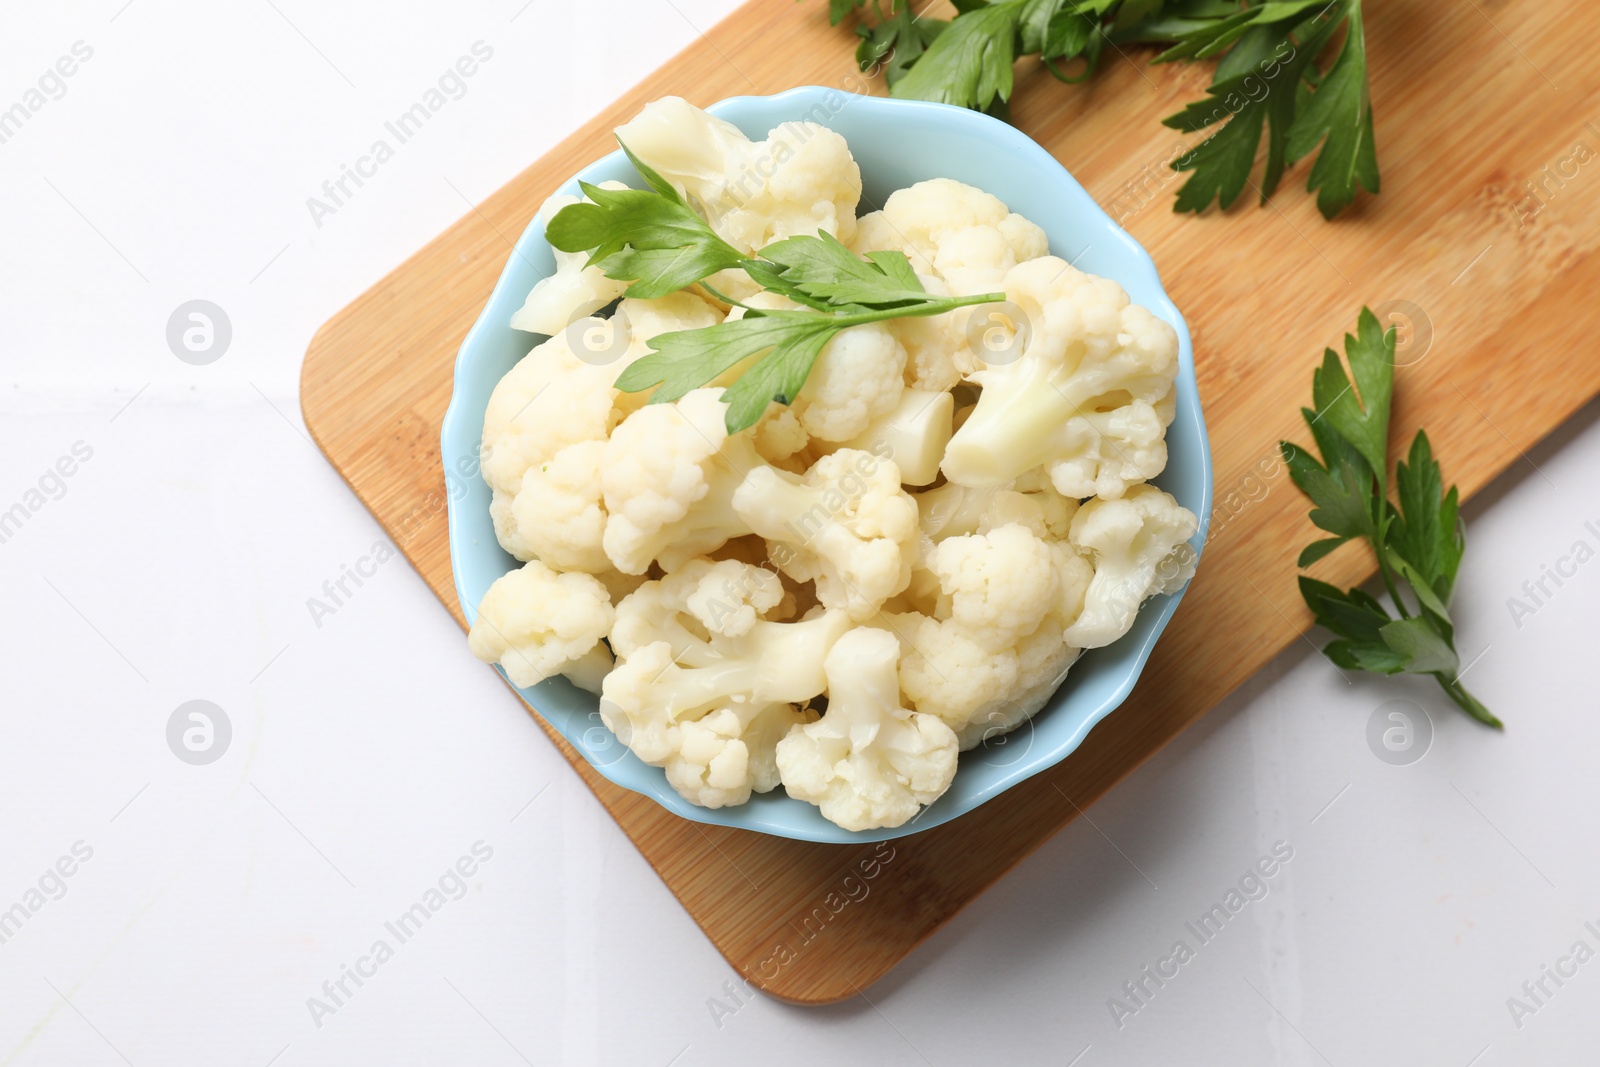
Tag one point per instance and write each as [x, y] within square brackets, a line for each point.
[915, 494]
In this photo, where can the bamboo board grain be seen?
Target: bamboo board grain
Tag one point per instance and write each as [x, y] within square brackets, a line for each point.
[1475, 103]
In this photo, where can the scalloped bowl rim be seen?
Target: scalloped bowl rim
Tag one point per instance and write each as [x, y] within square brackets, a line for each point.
[1117, 667]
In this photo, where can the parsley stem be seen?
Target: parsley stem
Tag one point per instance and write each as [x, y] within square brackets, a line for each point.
[1389, 582]
[1467, 702]
[724, 297]
[932, 307]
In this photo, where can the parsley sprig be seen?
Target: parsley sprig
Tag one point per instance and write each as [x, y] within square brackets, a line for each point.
[651, 237]
[1418, 541]
[655, 239]
[1267, 79]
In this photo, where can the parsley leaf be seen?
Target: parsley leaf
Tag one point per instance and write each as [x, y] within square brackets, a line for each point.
[798, 338]
[1418, 541]
[838, 9]
[1359, 411]
[650, 236]
[1267, 79]
[653, 238]
[821, 269]
[841, 290]
[687, 359]
[1426, 531]
[969, 63]
[897, 40]
[1254, 87]
[1340, 111]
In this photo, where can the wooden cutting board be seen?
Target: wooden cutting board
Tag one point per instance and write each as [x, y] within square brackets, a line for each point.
[1474, 102]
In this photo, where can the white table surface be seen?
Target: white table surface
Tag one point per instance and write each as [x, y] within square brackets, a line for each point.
[369, 751]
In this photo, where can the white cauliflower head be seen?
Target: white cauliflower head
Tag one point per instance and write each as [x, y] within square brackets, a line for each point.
[964, 235]
[938, 350]
[858, 377]
[991, 633]
[547, 422]
[574, 290]
[731, 752]
[1042, 660]
[535, 622]
[1088, 397]
[868, 762]
[669, 473]
[704, 598]
[947, 671]
[548, 402]
[847, 525]
[706, 685]
[780, 439]
[998, 586]
[556, 515]
[799, 180]
[1138, 546]
[1033, 502]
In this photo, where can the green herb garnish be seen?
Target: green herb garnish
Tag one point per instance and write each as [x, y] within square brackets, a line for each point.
[651, 237]
[654, 238]
[1267, 78]
[1418, 542]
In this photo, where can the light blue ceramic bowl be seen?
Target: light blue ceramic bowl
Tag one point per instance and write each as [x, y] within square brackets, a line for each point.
[897, 143]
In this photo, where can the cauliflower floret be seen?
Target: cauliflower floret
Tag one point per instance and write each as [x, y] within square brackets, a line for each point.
[801, 179]
[668, 474]
[938, 352]
[948, 672]
[556, 513]
[779, 435]
[547, 421]
[914, 435]
[642, 320]
[547, 403]
[868, 762]
[847, 525]
[574, 290]
[952, 510]
[705, 686]
[945, 671]
[997, 586]
[1089, 397]
[966, 236]
[716, 746]
[731, 753]
[1043, 660]
[704, 597]
[798, 598]
[535, 623]
[991, 637]
[858, 377]
[857, 380]
[548, 400]
[1138, 546]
